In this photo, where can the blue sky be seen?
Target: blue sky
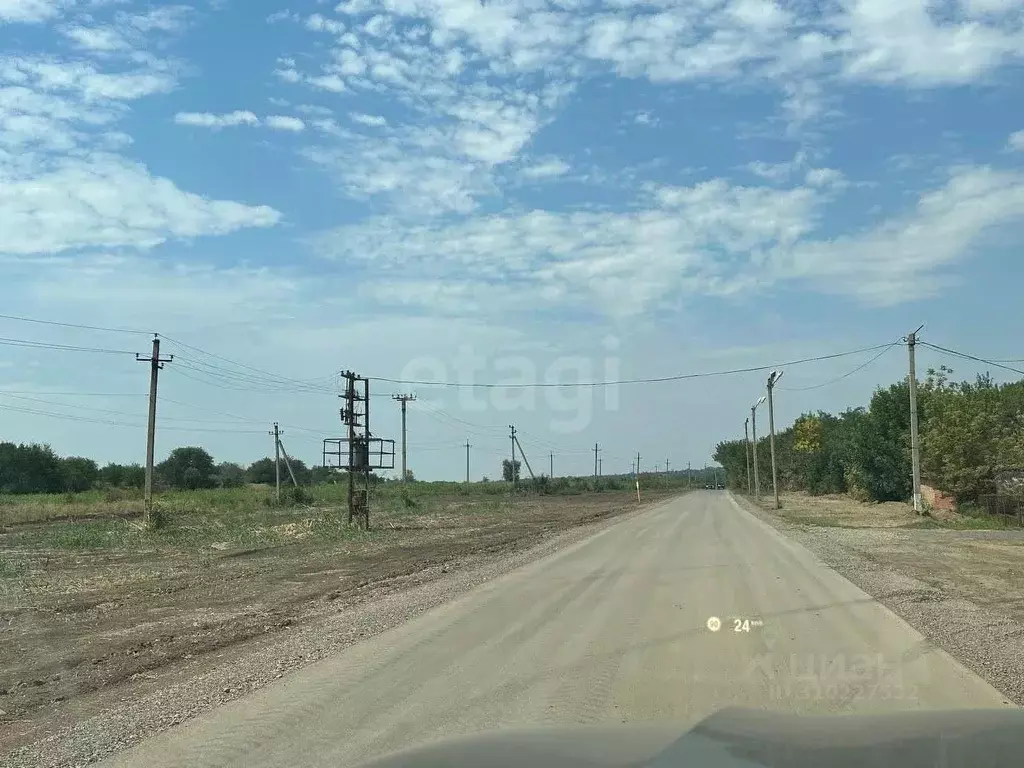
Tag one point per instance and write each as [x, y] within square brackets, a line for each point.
[558, 188]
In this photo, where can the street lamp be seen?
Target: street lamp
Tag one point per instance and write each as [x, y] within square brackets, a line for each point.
[773, 379]
[753, 426]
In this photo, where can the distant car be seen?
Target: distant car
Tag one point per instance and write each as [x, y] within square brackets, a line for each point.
[721, 487]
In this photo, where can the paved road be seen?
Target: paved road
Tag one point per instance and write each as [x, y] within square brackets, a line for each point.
[614, 628]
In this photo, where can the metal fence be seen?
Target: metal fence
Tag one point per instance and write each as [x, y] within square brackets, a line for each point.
[1002, 504]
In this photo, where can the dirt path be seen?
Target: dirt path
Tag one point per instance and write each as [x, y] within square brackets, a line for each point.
[138, 643]
[962, 589]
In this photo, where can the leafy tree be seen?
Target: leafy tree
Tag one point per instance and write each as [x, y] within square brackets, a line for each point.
[409, 476]
[134, 476]
[261, 471]
[510, 470]
[230, 475]
[319, 475]
[973, 432]
[303, 474]
[79, 474]
[29, 469]
[188, 468]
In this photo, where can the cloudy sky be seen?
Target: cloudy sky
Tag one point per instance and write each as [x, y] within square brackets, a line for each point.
[513, 192]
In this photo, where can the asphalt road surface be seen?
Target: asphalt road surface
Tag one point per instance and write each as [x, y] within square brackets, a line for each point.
[612, 629]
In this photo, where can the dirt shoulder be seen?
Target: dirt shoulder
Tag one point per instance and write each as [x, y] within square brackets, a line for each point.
[123, 645]
[963, 589]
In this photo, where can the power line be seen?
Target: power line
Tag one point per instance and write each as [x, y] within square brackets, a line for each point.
[74, 325]
[265, 374]
[236, 416]
[62, 347]
[71, 394]
[846, 375]
[969, 357]
[649, 380]
[239, 378]
[108, 422]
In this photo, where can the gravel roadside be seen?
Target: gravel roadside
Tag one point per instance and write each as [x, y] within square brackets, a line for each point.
[87, 730]
[989, 644]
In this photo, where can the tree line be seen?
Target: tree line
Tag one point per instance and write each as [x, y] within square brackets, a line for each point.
[34, 468]
[972, 432]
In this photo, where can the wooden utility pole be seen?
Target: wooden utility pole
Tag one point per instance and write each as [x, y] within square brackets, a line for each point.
[600, 467]
[467, 460]
[155, 364]
[597, 450]
[277, 461]
[403, 399]
[915, 439]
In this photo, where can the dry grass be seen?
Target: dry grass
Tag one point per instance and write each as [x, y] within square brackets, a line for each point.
[841, 511]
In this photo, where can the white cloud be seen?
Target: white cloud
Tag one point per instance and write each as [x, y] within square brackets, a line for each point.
[1016, 141]
[239, 117]
[778, 172]
[210, 120]
[105, 201]
[460, 67]
[284, 123]
[692, 239]
[825, 177]
[904, 43]
[546, 169]
[331, 83]
[710, 238]
[65, 188]
[374, 121]
[901, 257]
[101, 39]
[319, 23]
[29, 10]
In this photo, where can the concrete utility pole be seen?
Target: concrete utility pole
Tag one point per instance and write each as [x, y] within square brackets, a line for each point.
[467, 460]
[287, 462]
[689, 477]
[638, 463]
[753, 429]
[551, 467]
[515, 476]
[277, 461]
[666, 466]
[773, 379]
[746, 450]
[403, 399]
[155, 364]
[596, 450]
[600, 467]
[915, 440]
